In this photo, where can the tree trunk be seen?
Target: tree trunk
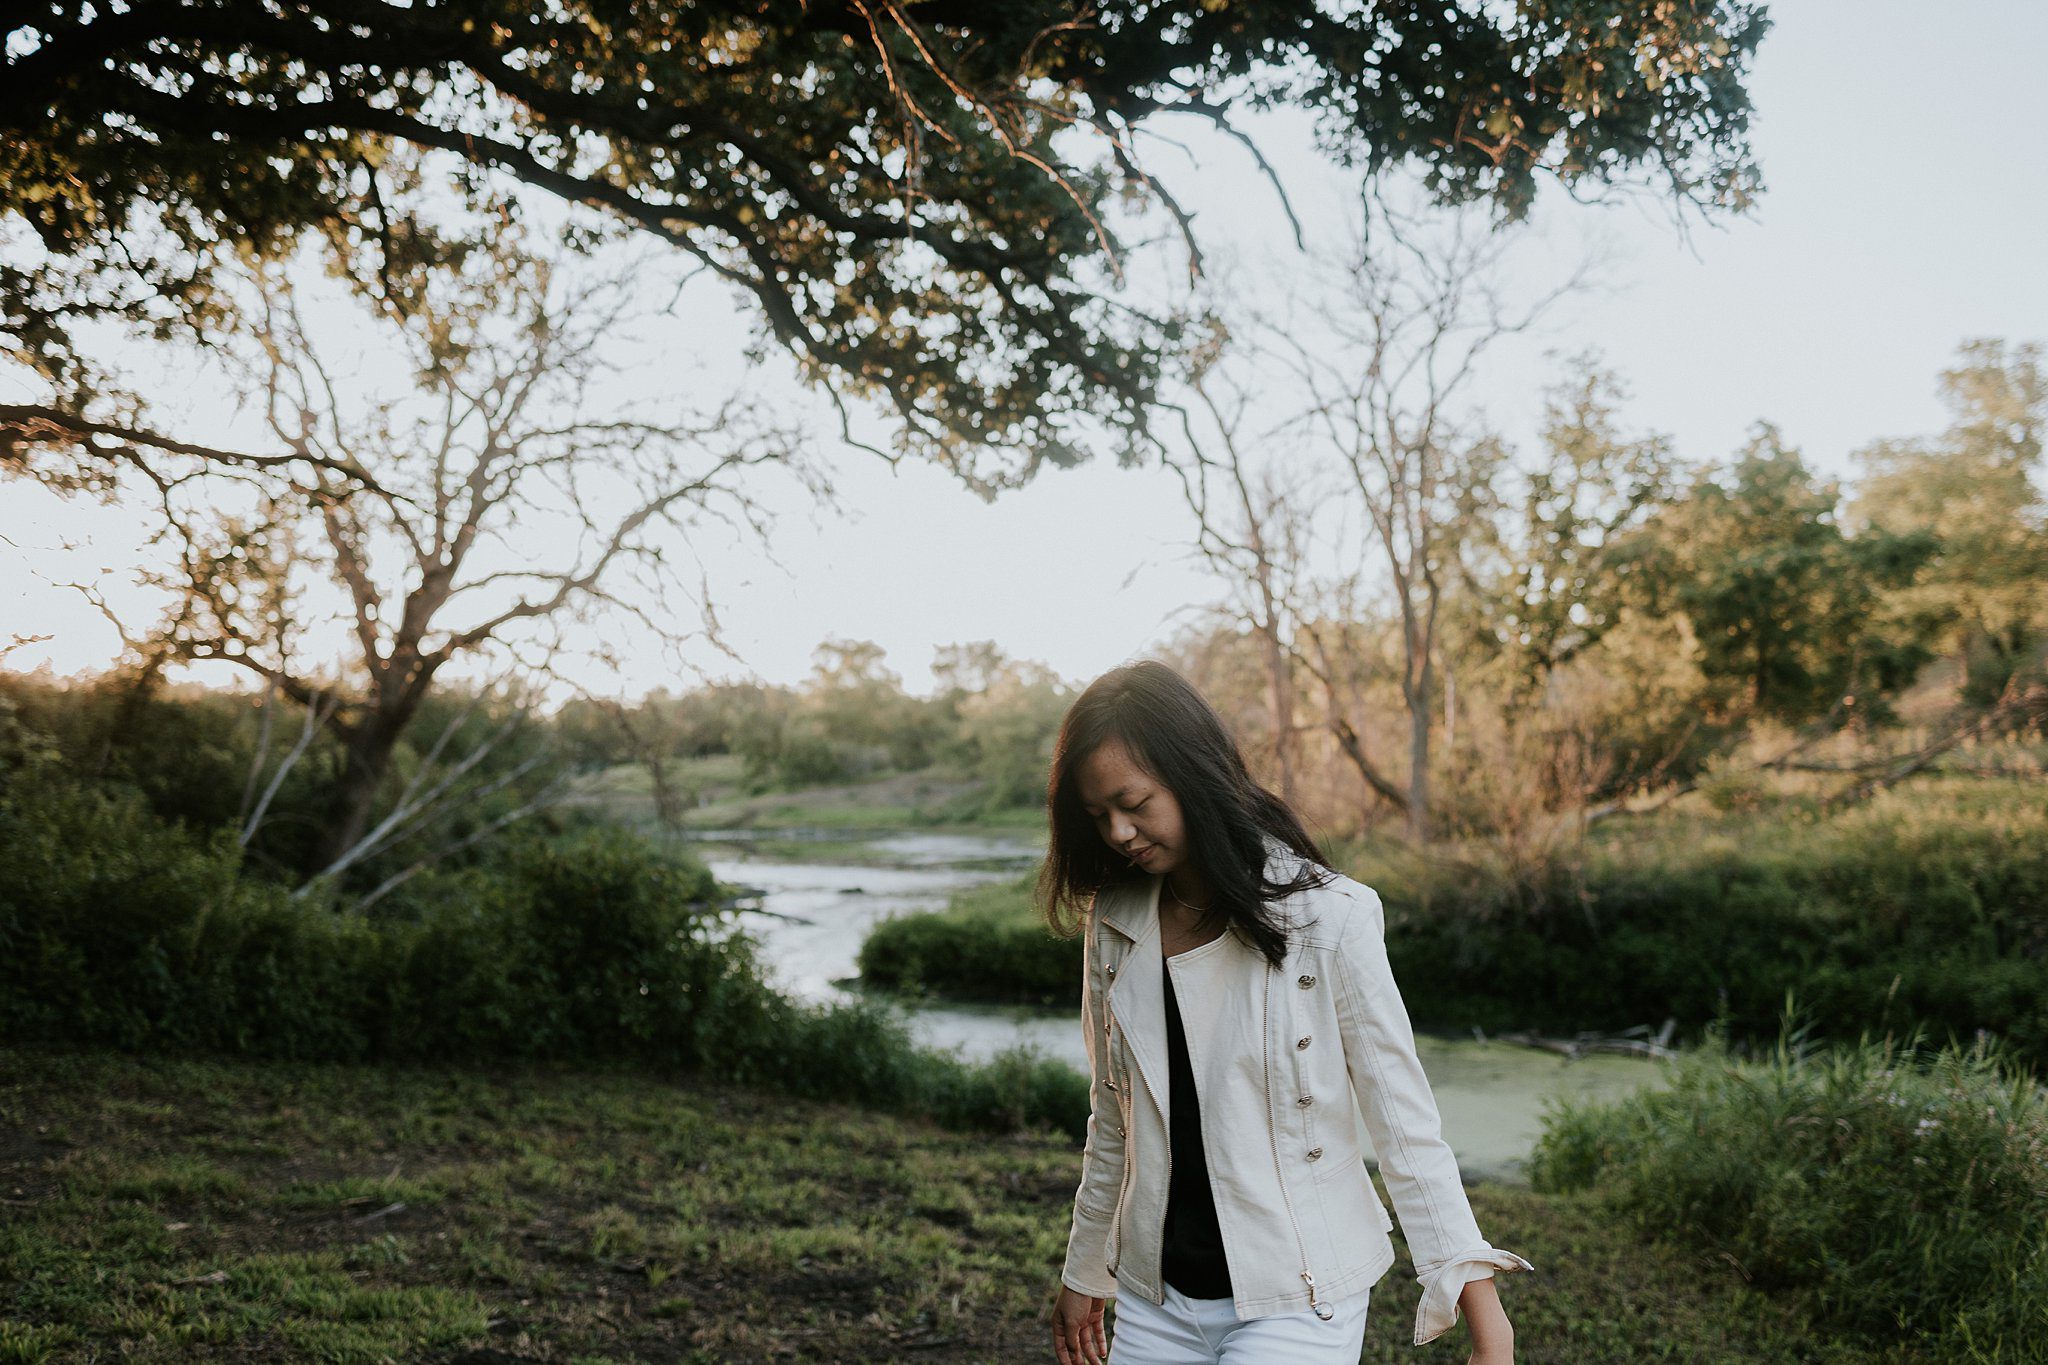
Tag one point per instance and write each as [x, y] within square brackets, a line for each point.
[1450, 712]
[369, 749]
[1280, 699]
[1418, 756]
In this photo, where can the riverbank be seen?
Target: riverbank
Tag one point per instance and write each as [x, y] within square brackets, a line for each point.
[284, 1212]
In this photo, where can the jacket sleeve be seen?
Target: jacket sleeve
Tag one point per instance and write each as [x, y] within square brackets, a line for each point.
[1418, 1166]
[1102, 1156]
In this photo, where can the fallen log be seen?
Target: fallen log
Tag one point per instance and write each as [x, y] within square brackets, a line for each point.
[1633, 1042]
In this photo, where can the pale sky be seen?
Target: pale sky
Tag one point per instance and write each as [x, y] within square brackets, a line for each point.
[1906, 197]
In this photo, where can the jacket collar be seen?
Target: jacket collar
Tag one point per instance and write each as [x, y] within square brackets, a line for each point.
[1134, 910]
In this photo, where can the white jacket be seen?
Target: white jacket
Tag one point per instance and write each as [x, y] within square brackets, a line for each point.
[1282, 1060]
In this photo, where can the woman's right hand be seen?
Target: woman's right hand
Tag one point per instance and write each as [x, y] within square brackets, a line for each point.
[1077, 1337]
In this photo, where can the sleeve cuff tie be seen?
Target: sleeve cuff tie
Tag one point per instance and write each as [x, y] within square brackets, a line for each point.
[1442, 1286]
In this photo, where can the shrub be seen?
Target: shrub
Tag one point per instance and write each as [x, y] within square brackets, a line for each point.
[119, 929]
[1903, 1192]
[987, 945]
[100, 904]
[1926, 906]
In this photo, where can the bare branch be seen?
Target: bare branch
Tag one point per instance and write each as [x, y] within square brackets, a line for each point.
[549, 795]
[314, 720]
[30, 425]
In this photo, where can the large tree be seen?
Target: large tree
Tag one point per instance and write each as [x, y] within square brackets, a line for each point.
[1978, 488]
[885, 180]
[1252, 516]
[506, 490]
[1386, 361]
[1546, 579]
[1785, 605]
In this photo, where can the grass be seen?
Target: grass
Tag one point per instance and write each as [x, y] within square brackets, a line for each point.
[159, 1209]
[1902, 1187]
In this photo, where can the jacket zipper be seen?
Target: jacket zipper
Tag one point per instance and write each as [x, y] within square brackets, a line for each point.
[1322, 1309]
[1160, 1242]
[1122, 1195]
[1123, 1115]
[1123, 1185]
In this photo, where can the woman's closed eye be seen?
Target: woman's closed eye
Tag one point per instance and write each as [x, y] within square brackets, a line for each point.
[1127, 810]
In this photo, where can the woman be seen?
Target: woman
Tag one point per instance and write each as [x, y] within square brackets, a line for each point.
[1239, 1011]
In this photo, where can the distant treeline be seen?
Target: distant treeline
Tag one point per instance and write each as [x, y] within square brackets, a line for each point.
[991, 717]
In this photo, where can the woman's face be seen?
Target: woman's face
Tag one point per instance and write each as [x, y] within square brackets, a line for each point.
[1133, 812]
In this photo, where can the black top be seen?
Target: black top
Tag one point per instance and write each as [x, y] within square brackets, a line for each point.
[1193, 1254]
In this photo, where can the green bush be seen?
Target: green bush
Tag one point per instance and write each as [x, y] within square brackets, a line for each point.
[100, 904]
[987, 945]
[117, 928]
[190, 755]
[862, 1052]
[1904, 1193]
[1926, 906]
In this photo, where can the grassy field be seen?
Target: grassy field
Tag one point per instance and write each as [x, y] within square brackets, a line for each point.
[162, 1209]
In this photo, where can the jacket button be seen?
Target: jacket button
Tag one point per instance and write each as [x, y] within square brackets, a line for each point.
[1305, 982]
[1305, 1101]
[1110, 1084]
[1315, 1153]
[1109, 970]
[1303, 1043]
[1119, 1130]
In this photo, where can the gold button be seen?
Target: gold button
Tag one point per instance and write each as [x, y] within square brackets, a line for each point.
[1110, 970]
[1315, 1153]
[1305, 1101]
[1302, 1044]
[1305, 982]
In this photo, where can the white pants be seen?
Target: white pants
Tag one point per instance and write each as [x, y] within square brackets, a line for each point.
[1185, 1331]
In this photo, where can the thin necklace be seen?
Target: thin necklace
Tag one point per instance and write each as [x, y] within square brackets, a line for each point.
[1198, 909]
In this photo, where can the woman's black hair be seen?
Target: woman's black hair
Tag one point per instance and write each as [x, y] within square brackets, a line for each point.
[1173, 734]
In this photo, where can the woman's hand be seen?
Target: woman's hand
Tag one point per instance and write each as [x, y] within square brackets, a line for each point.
[1077, 1337]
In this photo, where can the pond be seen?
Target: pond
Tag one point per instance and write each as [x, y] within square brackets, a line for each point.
[811, 917]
